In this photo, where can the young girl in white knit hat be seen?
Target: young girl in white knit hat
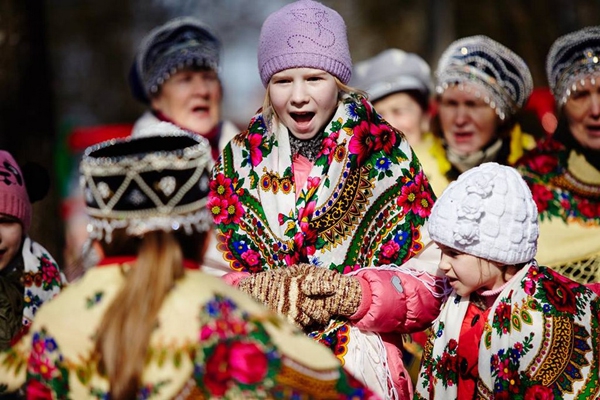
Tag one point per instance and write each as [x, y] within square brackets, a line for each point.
[510, 328]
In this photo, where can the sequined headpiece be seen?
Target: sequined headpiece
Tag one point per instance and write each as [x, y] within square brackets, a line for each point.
[180, 43]
[147, 183]
[572, 59]
[486, 63]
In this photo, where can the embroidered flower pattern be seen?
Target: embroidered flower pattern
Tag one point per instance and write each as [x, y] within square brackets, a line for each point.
[544, 170]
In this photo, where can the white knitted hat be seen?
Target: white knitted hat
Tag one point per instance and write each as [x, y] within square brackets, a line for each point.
[488, 212]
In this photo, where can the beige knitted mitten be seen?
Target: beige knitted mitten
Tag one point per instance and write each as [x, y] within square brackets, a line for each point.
[338, 294]
[279, 290]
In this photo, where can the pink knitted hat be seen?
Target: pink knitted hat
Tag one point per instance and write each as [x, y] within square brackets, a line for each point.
[304, 34]
[14, 200]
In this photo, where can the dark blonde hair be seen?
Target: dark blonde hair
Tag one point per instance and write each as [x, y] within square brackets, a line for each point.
[124, 333]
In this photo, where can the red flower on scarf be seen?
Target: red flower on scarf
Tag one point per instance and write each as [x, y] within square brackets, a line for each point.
[225, 211]
[385, 138]
[415, 198]
[38, 391]
[252, 259]
[243, 362]
[560, 294]
[50, 273]
[329, 146]
[389, 252]
[363, 143]
[254, 142]
[588, 209]
[543, 163]
[542, 195]
[221, 186]
[538, 392]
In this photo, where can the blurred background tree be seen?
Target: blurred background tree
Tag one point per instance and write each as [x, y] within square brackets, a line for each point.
[64, 63]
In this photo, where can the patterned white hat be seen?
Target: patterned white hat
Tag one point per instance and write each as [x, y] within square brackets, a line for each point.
[490, 65]
[572, 59]
[155, 182]
[487, 212]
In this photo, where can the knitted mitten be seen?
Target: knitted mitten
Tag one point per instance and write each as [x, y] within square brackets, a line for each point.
[279, 290]
[339, 294]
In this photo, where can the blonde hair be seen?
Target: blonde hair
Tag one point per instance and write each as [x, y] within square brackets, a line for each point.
[124, 333]
[269, 113]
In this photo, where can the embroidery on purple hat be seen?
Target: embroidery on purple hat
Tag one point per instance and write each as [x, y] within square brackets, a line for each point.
[304, 34]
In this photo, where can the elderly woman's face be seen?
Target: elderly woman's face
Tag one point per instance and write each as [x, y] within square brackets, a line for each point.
[582, 110]
[468, 123]
[191, 99]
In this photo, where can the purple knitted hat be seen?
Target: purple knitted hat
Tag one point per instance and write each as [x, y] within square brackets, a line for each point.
[14, 200]
[304, 34]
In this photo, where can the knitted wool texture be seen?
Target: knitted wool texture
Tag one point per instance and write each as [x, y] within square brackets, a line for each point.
[487, 212]
[305, 294]
[14, 200]
[304, 34]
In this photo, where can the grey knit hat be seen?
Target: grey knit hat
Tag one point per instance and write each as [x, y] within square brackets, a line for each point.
[179, 43]
[304, 34]
[494, 67]
[572, 59]
[487, 212]
[391, 71]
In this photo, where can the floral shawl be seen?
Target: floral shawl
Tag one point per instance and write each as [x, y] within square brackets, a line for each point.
[541, 340]
[364, 203]
[566, 190]
[41, 277]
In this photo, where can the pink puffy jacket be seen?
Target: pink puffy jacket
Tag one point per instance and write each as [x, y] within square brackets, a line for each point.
[395, 300]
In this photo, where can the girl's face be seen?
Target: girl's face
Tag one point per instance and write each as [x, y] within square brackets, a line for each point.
[191, 99]
[304, 99]
[467, 273]
[582, 110]
[468, 123]
[404, 114]
[11, 235]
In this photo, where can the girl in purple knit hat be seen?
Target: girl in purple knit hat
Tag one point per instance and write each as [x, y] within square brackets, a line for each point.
[29, 276]
[321, 205]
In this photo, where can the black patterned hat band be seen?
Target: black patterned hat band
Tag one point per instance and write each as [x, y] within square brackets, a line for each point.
[573, 59]
[478, 60]
[147, 183]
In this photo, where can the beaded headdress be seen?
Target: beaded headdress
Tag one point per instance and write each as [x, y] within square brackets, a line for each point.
[182, 42]
[486, 63]
[147, 183]
[572, 59]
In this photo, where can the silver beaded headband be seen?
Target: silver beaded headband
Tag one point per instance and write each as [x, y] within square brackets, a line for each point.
[479, 60]
[147, 183]
[572, 59]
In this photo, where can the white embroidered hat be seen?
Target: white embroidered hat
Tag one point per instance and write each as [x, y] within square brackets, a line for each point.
[487, 212]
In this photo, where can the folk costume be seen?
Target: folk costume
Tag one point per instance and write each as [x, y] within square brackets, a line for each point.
[210, 341]
[563, 176]
[32, 277]
[535, 336]
[361, 212]
[499, 77]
